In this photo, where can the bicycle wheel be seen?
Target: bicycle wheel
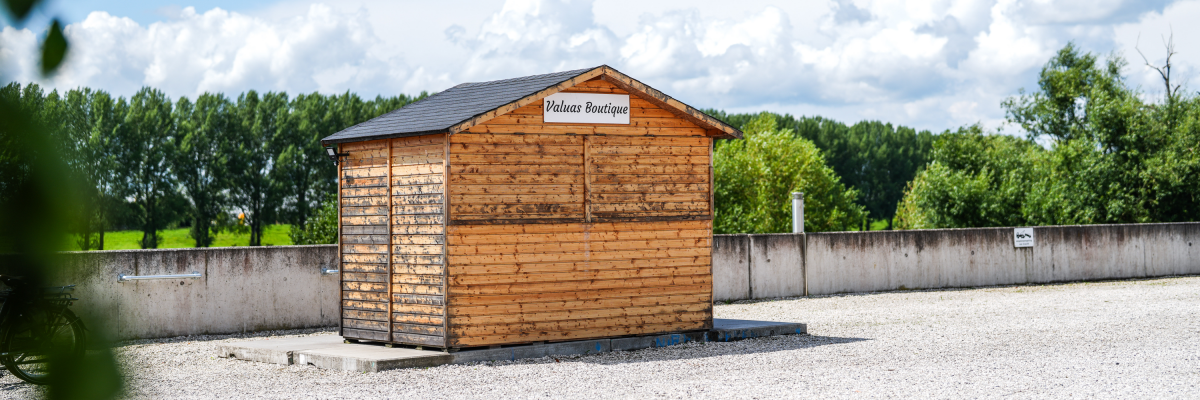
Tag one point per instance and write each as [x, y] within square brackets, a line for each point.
[33, 341]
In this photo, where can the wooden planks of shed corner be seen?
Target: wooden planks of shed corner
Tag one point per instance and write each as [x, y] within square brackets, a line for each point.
[405, 264]
[562, 232]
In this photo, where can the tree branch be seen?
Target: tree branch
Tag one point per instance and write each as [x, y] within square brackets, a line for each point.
[1165, 70]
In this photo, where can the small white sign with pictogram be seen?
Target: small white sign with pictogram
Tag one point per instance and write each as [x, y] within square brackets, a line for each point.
[1023, 237]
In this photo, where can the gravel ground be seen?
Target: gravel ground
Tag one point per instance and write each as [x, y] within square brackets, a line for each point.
[1118, 339]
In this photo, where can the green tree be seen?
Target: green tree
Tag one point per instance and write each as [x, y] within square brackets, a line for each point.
[875, 158]
[201, 157]
[254, 186]
[143, 148]
[755, 178]
[321, 229]
[974, 180]
[302, 168]
[1109, 156]
[88, 125]
[1171, 174]
[1118, 158]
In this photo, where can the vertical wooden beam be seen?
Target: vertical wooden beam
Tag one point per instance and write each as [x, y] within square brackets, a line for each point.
[712, 181]
[390, 268]
[587, 180]
[446, 243]
[712, 221]
[341, 268]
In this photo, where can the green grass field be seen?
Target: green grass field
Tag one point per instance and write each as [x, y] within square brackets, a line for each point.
[273, 235]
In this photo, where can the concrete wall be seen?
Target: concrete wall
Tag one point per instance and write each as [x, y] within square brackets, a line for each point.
[887, 260]
[758, 266]
[252, 289]
[242, 289]
[849, 262]
[731, 267]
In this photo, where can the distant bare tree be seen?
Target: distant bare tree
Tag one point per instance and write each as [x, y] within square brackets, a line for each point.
[1165, 69]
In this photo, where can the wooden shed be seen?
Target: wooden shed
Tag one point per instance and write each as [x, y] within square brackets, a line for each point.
[566, 206]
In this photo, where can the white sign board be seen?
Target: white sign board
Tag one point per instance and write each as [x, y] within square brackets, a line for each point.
[1023, 237]
[586, 108]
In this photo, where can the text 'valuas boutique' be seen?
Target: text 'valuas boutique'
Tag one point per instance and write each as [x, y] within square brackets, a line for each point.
[564, 206]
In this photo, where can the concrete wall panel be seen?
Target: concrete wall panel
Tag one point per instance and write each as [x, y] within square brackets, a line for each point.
[1173, 249]
[731, 267]
[241, 290]
[776, 265]
[837, 263]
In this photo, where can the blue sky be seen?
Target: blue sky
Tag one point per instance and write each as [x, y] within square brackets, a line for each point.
[933, 65]
[141, 11]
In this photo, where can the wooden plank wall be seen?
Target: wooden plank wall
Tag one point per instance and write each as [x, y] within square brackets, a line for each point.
[363, 182]
[547, 282]
[418, 240]
[562, 232]
[644, 178]
[413, 211]
[507, 178]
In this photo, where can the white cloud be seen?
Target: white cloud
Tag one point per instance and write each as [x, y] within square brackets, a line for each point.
[16, 48]
[1008, 45]
[529, 37]
[936, 64]
[220, 51]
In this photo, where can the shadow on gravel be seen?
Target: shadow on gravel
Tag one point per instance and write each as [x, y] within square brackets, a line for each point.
[696, 350]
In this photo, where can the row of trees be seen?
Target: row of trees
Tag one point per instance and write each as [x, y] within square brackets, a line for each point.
[150, 161]
[1097, 151]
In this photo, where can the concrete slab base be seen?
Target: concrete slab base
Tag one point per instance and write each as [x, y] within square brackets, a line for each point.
[330, 352]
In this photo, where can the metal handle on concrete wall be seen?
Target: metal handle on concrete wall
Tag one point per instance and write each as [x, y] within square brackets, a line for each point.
[326, 271]
[123, 277]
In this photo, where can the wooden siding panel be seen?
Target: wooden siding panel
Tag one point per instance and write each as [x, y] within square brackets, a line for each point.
[457, 339]
[405, 265]
[418, 240]
[522, 178]
[533, 268]
[539, 282]
[473, 314]
[363, 174]
[577, 295]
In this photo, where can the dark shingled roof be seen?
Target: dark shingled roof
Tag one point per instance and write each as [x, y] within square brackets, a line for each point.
[439, 112]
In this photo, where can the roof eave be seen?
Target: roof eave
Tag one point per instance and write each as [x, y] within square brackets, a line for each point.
[327, 142]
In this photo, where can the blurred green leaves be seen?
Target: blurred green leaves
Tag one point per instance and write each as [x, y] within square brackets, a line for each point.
[54, 48]
[20, 8]
[38, 193]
